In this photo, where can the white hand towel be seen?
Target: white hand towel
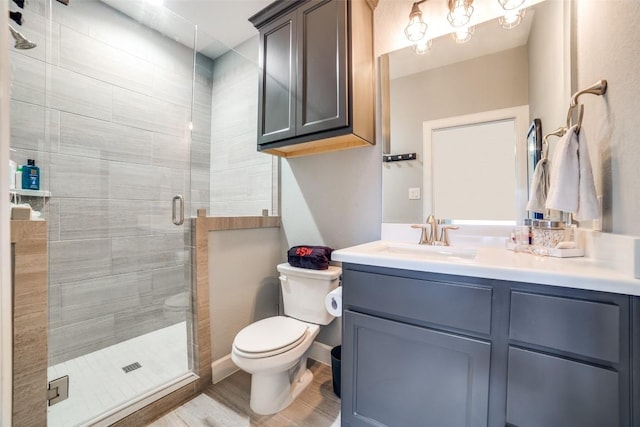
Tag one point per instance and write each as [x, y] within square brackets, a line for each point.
[564, 174]
[571, 187]
[539, 187]
[588, 207]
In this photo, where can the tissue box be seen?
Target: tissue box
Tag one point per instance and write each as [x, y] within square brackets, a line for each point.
[21, 213]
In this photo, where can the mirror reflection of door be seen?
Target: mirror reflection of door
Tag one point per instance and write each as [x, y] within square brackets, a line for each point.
[472, 169]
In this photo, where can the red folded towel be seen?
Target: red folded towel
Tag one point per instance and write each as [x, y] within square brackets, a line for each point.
[312, 257]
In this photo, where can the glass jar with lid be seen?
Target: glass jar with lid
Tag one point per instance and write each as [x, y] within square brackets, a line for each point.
[548, 233]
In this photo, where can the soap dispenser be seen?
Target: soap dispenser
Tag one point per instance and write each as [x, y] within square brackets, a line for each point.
[30, 175]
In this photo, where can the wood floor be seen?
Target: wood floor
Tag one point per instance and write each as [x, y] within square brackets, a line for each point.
[226, 404]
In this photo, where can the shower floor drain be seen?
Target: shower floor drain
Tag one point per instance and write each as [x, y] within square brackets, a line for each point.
[131, 367]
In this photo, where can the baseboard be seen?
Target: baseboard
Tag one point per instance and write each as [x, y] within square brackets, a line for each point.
[222, 368]
[321, 353]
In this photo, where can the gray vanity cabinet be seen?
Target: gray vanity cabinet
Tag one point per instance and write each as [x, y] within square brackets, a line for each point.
[410, 357]
[316, 81]
[433, 350]
[407, 375]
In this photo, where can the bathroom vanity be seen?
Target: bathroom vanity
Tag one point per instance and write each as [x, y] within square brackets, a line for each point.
[454, 340]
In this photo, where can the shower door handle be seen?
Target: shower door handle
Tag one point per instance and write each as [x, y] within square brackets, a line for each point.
[177, 210]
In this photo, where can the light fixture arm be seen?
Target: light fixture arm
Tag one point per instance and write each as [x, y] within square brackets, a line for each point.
[452, 4]
[415, 9]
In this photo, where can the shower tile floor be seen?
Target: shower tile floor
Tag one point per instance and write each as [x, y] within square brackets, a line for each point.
[97, 382]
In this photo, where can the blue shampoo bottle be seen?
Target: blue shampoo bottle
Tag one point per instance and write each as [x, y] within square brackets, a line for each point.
[30, 175]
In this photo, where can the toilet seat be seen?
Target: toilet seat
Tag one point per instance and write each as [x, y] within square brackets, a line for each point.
[269, 337]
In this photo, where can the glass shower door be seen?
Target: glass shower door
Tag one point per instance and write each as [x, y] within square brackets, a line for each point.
[104, 104]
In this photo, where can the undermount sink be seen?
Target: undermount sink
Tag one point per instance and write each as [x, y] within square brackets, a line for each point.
[427, 251]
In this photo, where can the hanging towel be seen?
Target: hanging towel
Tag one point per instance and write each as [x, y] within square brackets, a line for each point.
[571, 187]
[539, 187]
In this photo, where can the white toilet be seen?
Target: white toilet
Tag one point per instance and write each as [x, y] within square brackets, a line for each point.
[274, 350]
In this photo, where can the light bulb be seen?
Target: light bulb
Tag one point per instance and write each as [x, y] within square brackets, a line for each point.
[511, 19]
[460, 12]
[422, 46]
[510, 4]
[417, 28]
[463, 35]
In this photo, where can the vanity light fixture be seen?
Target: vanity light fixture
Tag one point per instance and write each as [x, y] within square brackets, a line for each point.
[417, 28]
[460, 12]
[512, 16]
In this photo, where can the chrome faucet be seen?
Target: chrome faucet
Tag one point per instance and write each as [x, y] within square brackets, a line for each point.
[431, 237]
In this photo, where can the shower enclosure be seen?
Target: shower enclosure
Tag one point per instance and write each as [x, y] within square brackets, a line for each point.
[114, 106]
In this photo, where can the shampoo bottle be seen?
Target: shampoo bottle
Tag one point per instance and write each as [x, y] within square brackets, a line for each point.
[30, 175]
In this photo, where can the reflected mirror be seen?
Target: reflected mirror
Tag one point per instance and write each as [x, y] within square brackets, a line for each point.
[527, 67]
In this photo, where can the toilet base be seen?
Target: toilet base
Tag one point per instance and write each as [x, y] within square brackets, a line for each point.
[271, 393]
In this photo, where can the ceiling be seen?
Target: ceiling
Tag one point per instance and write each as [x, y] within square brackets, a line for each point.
[222, 24]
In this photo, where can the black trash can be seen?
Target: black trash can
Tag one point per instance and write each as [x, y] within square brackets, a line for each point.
[336, 361]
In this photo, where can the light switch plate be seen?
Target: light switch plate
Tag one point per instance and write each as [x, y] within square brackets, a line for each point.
[414, 193]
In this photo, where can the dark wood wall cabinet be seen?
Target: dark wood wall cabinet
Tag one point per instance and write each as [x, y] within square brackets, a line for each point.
[439, 350]
[316, 90]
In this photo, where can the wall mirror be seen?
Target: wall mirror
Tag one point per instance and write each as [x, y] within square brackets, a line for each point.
[527, 67]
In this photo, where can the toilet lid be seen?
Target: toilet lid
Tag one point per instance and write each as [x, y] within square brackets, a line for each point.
[270, 334]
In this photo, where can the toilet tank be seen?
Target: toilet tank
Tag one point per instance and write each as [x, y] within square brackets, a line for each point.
[303, 292]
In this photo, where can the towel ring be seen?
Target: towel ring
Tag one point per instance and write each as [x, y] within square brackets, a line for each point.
[580, 116]
[545, 148]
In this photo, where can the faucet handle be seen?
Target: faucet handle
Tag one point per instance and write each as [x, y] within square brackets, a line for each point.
[444, 235]
[424, 237]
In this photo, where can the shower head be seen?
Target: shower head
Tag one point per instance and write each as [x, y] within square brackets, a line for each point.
[21, 41]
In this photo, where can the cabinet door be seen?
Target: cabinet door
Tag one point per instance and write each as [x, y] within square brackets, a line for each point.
[276, 109]
[549, 391]
[322, 66]
[396, 374]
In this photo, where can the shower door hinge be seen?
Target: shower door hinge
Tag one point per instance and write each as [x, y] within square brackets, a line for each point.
[58, 390]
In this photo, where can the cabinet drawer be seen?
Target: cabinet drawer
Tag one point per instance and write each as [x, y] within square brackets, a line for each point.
[466, 307]
[549, 391]
[586, 328]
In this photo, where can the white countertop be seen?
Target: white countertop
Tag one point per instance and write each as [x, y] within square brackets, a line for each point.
[502, 264]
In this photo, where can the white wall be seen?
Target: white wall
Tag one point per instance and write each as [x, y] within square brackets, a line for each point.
[607, 46]
[332, 199]
[243, 282]
[549, 65]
